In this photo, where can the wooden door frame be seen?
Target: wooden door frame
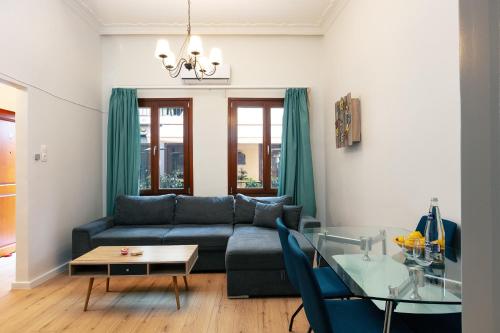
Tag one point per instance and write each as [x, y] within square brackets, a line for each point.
[8, 189]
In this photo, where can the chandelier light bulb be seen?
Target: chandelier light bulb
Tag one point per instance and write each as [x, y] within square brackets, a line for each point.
[162, 48]
[195, 47]
[216, 56]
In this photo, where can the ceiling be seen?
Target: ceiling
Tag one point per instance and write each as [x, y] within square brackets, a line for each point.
[290, 17]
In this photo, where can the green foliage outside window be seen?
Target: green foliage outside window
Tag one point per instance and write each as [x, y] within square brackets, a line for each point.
[274, 182]
[248, 181]
[173, 179]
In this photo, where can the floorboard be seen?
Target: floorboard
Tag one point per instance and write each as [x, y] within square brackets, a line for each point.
[143, 305]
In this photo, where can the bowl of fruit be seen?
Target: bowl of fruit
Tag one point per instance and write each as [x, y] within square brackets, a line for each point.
[409, 242]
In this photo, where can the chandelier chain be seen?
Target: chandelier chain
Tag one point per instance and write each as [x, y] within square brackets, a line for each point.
[189, 17]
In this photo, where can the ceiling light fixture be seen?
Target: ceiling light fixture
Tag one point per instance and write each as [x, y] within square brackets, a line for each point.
[190, 56]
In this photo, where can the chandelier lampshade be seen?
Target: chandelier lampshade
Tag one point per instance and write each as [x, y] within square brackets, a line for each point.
[170, 60]
[195, 46]
[205, 65]
[162, 48]
[190, 56]
[216, 56]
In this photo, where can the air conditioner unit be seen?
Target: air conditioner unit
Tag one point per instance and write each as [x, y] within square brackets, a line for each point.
[221, 76]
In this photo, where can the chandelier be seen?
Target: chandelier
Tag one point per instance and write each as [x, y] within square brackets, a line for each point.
[190, 55]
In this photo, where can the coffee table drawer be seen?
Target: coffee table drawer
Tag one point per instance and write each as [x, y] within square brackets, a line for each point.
[128, 269]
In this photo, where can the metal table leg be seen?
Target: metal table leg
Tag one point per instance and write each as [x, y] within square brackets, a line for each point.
[389, 309]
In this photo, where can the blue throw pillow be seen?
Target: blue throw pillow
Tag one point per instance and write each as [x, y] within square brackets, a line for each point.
[244, 206]
[266, 214]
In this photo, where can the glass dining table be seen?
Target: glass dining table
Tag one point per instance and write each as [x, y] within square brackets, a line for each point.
[373, 266]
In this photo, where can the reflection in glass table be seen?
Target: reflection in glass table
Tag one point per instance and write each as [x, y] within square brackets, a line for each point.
[373, 266]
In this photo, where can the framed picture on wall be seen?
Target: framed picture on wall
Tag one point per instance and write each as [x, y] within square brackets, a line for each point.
[347, 121]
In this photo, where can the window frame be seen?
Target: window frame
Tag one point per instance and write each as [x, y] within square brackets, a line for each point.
[266, 104]
[154, 104]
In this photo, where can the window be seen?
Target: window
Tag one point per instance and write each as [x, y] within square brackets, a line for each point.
[166, 146]
[254, 145]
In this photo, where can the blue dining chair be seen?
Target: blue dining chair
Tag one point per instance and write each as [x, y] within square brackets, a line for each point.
[339, 316]
[331, 286]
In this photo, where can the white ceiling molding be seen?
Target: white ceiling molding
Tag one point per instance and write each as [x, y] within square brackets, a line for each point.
[317, 28]
[82, 10]
[211, 29]
[332, 11]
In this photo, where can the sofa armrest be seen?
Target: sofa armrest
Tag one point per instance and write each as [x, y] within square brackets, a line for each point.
[82, 235]
[309, 222]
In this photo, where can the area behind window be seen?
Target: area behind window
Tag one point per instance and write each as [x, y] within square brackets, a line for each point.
[255, 127]
[165, 146]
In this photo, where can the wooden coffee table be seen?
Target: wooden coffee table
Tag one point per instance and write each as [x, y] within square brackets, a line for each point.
[161, 260]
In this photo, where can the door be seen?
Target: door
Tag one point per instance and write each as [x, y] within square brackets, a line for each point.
[7, 182]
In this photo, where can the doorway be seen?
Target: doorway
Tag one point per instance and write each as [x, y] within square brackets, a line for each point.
[7, 199]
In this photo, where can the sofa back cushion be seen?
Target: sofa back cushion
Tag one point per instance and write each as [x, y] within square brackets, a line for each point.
[147, 210]
[291, 216]
[244, 209]
[204, 210]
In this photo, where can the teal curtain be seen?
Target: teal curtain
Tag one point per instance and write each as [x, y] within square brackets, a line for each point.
[296, 176]
[124, 144]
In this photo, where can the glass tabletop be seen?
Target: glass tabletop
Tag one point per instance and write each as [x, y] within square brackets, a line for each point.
[373, 266]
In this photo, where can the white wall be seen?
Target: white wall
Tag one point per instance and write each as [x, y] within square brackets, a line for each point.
[401, 59]
[254, 60]
[55, 57]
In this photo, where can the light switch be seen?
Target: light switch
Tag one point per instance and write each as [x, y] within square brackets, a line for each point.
[43, 153]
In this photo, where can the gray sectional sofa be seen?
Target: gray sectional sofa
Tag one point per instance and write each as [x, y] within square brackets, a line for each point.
[221, 226]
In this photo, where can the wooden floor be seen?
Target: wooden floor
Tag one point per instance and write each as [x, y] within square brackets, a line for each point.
[143, 305]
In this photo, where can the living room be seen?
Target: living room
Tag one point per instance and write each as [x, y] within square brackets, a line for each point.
[420, 81]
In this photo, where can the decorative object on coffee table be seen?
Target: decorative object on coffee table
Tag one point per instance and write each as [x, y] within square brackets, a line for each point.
[108, 261]
[347, 121]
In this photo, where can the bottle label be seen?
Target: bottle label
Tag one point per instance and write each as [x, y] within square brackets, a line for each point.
[428, 251]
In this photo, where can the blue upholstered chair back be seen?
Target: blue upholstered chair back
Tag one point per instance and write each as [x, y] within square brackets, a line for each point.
[450, 229]
[290, 271]
[310, 291]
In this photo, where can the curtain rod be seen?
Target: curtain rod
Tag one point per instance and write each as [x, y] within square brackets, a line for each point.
[209, 87]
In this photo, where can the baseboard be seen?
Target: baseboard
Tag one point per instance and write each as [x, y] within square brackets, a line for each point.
[40, 279]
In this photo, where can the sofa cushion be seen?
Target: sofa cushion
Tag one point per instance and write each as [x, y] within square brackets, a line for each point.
[253, 248]
[244, 206]
[129, 235]
[291, 216]
[204, 210]
[266, 215]
[212, 237]
[146, 210]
